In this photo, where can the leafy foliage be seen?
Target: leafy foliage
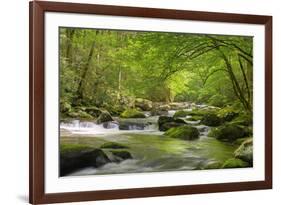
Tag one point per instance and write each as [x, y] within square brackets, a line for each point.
[109, 69]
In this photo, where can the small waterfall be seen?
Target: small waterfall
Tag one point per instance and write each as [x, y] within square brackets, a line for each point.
[82, 127]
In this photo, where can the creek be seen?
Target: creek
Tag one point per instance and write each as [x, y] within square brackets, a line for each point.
[151, 150]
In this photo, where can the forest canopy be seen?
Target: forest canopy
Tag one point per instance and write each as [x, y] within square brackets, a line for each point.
[110, 69]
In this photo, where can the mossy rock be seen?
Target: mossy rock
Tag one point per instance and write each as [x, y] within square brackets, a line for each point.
[235, 163]
[245, 151]
[195, 118]
[227, 113]
[70, 148]
[123, 154]
[143, 104]
[104, 117]
[200, 112]
[164, 119]
[165, 123]
[228, 133]
[113, 145]
[166, 126]
[183, 132]
[132, 113]
[75, 156]
[181, 113]
[211, 120]
[79, 114]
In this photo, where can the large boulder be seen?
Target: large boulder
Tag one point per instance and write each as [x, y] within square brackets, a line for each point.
[143, 104]
[165, 123]
[211, 120]
[235, 163]
[245, 151]
[104, 117]
[166, 126]
[75, 157]
[183, 132]
[164, 119]
[228, 133]
[132, 113]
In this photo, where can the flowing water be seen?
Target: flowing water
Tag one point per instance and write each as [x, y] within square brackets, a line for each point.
[151, 150]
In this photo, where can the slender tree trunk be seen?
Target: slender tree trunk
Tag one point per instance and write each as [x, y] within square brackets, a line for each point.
[85, 70]
[236, 87]
[245, 79]
[119, 84]
[69, 36]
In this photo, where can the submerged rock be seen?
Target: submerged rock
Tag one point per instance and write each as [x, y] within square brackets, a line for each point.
[104, 117]
[183, 132]
[235, 163]
[245, 151]
[132, 113]
[74, 157]
[113, 145]
[122, 154]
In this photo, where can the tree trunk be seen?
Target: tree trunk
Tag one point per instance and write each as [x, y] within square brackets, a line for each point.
[85, 70]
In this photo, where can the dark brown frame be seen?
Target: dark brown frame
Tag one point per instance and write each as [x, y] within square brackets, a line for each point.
[36, 113]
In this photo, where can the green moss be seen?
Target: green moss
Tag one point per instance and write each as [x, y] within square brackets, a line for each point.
[122, 154]
[245, 151]
[183, 132]
[195, 118]
[113, 145]
[181, 113]
[227, 133]
[235, 163]
[211, 120]
[68, 148]
[79, 114]
[132, 113]
[227, 113]
[200, 112]
[244, 119]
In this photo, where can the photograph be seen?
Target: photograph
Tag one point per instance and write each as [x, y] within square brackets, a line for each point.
[150, 101]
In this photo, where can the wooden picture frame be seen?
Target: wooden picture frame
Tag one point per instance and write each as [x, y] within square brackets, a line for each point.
[38, 9]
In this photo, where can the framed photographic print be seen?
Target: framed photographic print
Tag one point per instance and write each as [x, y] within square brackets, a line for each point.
[139, 102]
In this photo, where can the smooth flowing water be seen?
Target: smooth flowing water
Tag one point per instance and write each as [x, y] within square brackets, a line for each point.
[151, 150]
